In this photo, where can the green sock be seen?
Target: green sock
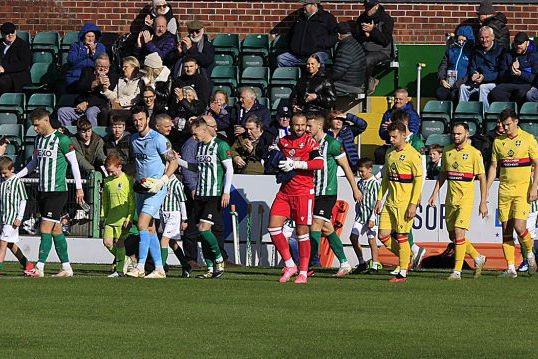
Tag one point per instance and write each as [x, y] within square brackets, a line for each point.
[209, 238]
[337, 247]
[181, 256]
[315, 238]
[44, 247]
[1, 265]
[410, 239]
[61, 248]
[120, 258]
[164, 255]
[208, 254]
[112, 250]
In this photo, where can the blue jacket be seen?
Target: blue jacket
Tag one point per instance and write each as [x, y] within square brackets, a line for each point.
[78, 56]
[353, 127]
[528, 65]
[271, 160]
[458, 57]
[414, 121]
[188, 153]
[486, 63]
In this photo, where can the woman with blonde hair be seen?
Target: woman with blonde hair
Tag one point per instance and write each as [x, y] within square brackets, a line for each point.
[184, 105]
[127, 92]
[157, 76]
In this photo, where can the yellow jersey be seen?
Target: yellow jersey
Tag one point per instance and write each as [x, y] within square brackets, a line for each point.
[402, 177]
[117, 200]
[514, 156]
[461, 167]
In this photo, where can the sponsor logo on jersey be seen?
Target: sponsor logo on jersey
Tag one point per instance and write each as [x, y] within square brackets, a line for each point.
[204, 159]
[44, 152]
[228, 153]
[455, 165]
[120, 186]
[141, 156]
[510, 153]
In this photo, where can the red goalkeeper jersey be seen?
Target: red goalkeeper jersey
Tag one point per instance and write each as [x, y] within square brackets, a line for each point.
[304, 148]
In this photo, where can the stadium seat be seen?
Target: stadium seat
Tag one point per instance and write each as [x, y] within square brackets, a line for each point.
[279, 92]
[256, 44]
[434, 106]
[255, 77]
[530, 127]
[226, 44]
[471, 113]
[14, 133]
[277, 104]
[45, 57]
[224, 60]
[66, 100]
[495, 109]
[286, 76]
[225, 88]
[264, 101]
[102, 131]
[224, 75]
[43, 75]
[528, 112]
[46, 100]
[435, 118]
[278, 46]
[232, 100]
[14, 103]
[251, 60]
[438, 139]
[28, 150]
[8, 118]
[25, 35]
[46, 41]
[71, 129]
[68, 39]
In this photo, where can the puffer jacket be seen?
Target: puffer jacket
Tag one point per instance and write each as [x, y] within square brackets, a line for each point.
[413, 123]
[349, 67]
[498, 24]
[458, 57]
[312, 34]
[78, 56]
[380, 38]
[528, 65]
[318, 84]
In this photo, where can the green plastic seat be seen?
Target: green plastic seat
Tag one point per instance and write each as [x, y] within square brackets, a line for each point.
[264, 101]
[434, 124]
[256, 44]
[47, 100]
[251, 61]
[12, 150]
[226, 44]
[495, 109]
[14, 133]
[68, 39]
[39, 56]
[232, 100]
[46, 41]
[13, 102]
[279, 45]
[43, 76]
[255, 77]
[286, 76]
[280, 92]
[25, 35]
[529, 112]
[277, 104]
[225, 88]
[438, 139]
[8, 118]
[224, 75]
[470, 107]
[224, 60]
[471, 113]
[435, 106]
[101, 131]
[71, 129]
[530, 127]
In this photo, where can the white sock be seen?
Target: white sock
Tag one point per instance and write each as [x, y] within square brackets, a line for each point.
[67, 267]
[141, 266]
[210, 269]
[403, 272]
[375, 265]
[415, 248]
[289, 263]
[159, 268]
[457, 272]
[344, 264]
[303, 272]
[530, 255]
[40, 266]
[512, 267]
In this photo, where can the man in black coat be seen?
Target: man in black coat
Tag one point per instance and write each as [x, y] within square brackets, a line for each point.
[15, 60]
[349, 66]
[487, 16]
[314, 32]
[247, 106]
[374, 32]
[191, 77]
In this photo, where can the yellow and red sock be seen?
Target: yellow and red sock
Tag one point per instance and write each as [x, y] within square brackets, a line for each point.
[389, 243]
[526, 241]
[405, 251]
[509, 249]
[471, 250]
[460, 253]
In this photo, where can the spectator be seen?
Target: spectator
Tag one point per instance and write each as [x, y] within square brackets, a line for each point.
[344, 128]
[281, 128]
[161, 8]
[185, 105]
[92, 80]
[3, 146]
[314, 32]
[192, 77]
[89, 147]
[83, 53]
[249, 147]
[220, 111]
[164, 125]
[247, 106]
[401, 101]
[374, 32]
[434, 166]
[119, 143]
[126, 94]
[157, 76]
[15, 60]
[484, 142]
[348, 70]
[454, 66]
[314, 92]
[484, 70]
[487, 16]
[149, 103]
[161, 42]
[197, 46]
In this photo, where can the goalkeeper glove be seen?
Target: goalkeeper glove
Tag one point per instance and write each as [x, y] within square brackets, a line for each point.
[155, 185]
[288, 164]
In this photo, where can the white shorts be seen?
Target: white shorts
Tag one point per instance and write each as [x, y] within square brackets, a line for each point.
[361, 230]
[288, 229]
[9, 234]
[171, 224]
[531, 224]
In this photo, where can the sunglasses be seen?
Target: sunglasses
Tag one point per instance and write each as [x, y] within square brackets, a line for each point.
[161, 6]
[195, 31]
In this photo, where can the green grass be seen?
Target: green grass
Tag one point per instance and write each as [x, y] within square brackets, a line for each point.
[247, 313]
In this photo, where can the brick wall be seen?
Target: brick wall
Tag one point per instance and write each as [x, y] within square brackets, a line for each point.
[415, 22]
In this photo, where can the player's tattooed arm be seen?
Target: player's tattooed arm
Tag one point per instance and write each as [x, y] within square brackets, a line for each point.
[171, 163]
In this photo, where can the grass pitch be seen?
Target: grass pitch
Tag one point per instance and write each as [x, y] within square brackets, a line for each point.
[247, 313]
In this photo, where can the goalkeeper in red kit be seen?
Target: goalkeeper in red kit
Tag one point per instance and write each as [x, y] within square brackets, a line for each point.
[295, 199]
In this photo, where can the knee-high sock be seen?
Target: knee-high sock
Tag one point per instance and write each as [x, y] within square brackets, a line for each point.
[164, 255]
[143, 247]
[20, 257]
[304, 251]
[471, 250]
[120, 259]
[155, 250]
[315, 238]
[210, 239]
[461, 246]
[391, 245]
[336, 245]
[112, 250]
[280, 242]
[181, 256]
[405, 251]
[526, 241]
[61, 248]
[410, 238]
[208, 254]
[509, 249]
[44, 247]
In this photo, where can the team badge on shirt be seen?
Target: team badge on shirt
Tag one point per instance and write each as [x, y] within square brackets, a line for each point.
[510, 153]
[292, 152]
[120, 186]
[518, 143]
[301, 145]
[393, 166]
[402, 157]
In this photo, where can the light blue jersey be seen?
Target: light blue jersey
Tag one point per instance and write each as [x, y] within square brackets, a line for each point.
[148, 151]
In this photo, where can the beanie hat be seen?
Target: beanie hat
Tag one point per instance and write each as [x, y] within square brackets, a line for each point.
[486, 8]
[153, 60]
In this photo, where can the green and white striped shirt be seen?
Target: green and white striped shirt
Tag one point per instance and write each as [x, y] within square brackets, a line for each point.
[52, 163]
[174, 197]
[364, 211]
[12, 192]
[534, 206]
[209, 158]
[325, 180]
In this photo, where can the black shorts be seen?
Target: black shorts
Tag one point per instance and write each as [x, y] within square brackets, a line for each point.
[206, 209]
[51, 205]
[323, 207]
